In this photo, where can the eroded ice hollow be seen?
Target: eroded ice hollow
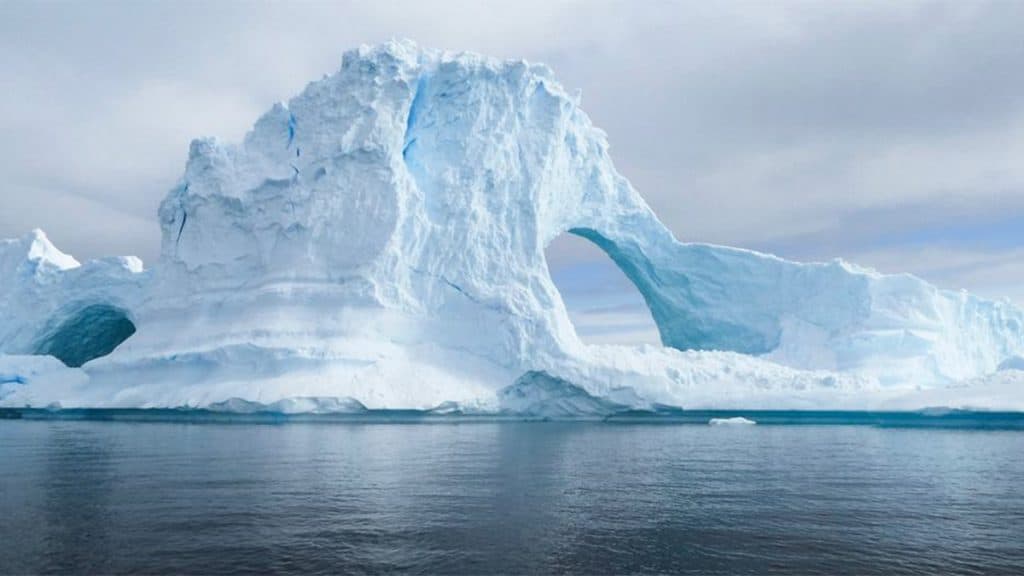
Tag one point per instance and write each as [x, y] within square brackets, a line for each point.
[381, 237]
[90, 332]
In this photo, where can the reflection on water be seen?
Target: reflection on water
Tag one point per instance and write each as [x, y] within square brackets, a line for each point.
[78, 475]
[508, 497]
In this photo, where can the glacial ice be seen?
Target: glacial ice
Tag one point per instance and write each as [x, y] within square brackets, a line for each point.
[380, 238]
[1012, 363]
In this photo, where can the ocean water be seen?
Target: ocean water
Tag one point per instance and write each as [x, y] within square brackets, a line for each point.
[93, 496]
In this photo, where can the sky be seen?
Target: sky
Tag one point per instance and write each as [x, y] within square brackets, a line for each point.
[890, 134]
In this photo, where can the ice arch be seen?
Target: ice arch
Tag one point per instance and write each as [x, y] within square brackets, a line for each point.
[604, 306]
[91, 332]
[663, 272]
[637, 267]
[454, 172]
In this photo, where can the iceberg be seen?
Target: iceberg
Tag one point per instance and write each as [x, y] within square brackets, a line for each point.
[380, 238]
[734, 421]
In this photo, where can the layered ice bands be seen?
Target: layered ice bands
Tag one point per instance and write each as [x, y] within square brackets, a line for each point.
[380, 239]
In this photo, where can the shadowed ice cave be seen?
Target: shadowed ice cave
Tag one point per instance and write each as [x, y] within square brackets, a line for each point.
[89, 333]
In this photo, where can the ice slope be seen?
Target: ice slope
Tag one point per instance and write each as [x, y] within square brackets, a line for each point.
[381, 237]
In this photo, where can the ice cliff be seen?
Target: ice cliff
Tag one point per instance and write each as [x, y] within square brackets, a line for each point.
[380, 238]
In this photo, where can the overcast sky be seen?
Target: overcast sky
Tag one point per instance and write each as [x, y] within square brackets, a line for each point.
[890, 133]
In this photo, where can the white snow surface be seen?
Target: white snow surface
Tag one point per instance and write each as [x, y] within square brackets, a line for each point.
[380, 239]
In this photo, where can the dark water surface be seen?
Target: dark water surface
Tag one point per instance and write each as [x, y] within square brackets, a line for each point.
[589, 498]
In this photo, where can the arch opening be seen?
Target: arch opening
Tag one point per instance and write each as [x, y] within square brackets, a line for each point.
[604, 305]
[89, 333]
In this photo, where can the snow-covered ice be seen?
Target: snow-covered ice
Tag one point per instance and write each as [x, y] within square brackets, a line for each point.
[734, 421]
[380, 239]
